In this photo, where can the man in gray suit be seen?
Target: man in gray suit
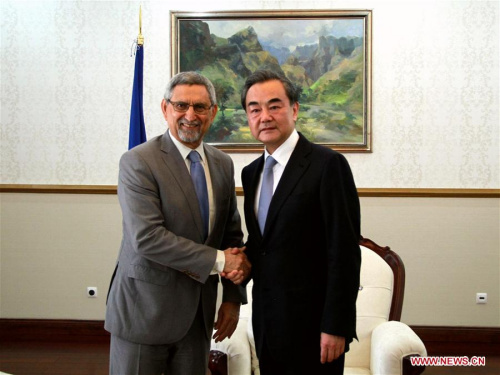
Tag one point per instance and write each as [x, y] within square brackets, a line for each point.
[161, 304]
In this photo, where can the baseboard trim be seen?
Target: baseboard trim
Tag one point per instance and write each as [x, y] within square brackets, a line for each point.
[439, 340]
[462, 341]
[52, 330]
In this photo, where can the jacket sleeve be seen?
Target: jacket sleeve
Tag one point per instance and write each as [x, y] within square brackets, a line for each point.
[341, 217]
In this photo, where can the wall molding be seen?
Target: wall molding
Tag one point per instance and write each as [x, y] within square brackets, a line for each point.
[363, 192]
[58, 189]
[429, 193]
[439, 340]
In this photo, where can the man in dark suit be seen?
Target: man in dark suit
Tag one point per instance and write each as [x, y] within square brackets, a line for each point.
[304, 246]
[161, 304]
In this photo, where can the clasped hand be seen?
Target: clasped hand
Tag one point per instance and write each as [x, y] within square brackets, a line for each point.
[237, 267]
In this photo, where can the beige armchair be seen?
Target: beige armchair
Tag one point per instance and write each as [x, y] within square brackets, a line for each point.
[385, 344]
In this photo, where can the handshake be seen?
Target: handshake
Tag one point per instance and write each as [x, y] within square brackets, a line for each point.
[237, 267]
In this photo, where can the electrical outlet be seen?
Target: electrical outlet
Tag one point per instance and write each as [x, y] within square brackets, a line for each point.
[92, 291]
[481, 298]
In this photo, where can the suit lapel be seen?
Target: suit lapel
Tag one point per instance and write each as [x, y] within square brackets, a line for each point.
[292, 174]
[250, 196]
[218, 186]
[177, 166]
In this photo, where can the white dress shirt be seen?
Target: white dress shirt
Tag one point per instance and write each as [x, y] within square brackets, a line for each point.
[281, 155]
[184, 151]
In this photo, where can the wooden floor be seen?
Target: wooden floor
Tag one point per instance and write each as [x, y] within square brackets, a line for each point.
[91, 358]
[54, 358]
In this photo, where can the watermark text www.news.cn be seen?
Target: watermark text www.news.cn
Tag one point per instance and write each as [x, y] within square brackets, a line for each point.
[448, 361]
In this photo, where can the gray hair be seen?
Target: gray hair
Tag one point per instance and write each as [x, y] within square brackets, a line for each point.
[190, 78]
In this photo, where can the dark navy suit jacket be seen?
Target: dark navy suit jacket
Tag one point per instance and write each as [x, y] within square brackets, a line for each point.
[306, 265]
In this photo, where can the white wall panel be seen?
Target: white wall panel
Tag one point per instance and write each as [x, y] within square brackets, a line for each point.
[66, 78]
[55, 245]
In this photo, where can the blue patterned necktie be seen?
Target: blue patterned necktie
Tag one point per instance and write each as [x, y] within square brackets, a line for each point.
[200, 185]
[266, 192]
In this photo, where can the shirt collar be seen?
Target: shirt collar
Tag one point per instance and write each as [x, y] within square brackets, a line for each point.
[283, 153]
[185, 150]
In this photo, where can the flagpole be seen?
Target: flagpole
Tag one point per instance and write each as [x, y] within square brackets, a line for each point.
[137, 131]
[140, 38]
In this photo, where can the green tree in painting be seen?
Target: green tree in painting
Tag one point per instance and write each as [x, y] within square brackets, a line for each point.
[222, 127]
[223, 90]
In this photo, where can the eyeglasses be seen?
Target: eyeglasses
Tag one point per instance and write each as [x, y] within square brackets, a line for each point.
[199, 108]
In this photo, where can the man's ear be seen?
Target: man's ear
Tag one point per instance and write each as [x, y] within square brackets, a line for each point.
[295, 109]
[164, 105]
[214, 111]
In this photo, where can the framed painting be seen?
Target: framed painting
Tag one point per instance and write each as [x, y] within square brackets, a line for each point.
[326, 53]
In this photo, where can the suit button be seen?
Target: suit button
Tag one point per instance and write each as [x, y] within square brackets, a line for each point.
[263, 253]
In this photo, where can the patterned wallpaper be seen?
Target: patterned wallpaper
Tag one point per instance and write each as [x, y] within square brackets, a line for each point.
[66, 78]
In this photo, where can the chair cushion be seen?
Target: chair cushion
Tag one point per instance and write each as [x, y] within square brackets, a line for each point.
[373, 305]
[244, 312]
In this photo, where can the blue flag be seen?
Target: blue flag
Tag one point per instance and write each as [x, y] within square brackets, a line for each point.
[137, 132]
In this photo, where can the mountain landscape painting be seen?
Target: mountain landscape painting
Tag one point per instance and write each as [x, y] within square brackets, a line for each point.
[327, 57]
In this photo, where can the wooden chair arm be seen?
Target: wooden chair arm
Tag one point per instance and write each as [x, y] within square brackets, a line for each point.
[217, 362]
[408, 369]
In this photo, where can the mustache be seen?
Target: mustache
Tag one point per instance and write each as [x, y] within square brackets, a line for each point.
[189, 123]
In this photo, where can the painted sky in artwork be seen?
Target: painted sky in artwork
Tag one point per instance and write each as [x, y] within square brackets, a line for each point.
[289, 33]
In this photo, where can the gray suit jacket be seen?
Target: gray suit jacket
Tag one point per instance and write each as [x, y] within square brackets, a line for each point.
[163, 267]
